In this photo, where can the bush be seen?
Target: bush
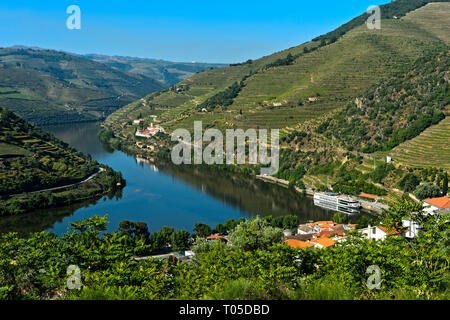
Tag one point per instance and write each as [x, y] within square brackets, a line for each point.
[428, 190]
[202, 230]
[255, 234]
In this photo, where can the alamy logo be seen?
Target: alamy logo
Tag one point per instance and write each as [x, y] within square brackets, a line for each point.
[74, 280]
[374, 21]
[374, 280]
[74, 20]
[213, 153]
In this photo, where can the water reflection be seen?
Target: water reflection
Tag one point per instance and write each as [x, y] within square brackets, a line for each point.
[165, 194]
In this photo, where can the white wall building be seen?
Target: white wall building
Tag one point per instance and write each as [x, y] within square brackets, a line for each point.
[377, 232]
[433, 204]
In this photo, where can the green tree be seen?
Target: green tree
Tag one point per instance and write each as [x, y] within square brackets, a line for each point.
[427, 190]
[445, 184]
[167, 231]
[202, 230]
[255, 234]
[159, 240]
[231, 224]
[220, 229]
[134, 230]
[340, 218]
[180, 240]
[290, 222]
[409, 182]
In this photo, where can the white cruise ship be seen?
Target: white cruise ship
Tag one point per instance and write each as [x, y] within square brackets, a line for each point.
[332, 201]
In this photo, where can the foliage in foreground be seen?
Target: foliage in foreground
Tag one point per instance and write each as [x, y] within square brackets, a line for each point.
[36, 268]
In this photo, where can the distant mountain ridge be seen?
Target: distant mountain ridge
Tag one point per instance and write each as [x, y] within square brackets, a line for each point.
[52, 87]
[167, 72]
[48, 86]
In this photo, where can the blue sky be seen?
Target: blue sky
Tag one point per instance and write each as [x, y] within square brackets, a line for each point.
[223, 31]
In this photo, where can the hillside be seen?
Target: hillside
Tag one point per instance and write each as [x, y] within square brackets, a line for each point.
[47, 87]
[347, 150]
[430, 149]
[374, 90]
[166, 72]
[274, 91]
[33, 160]
[396, 109]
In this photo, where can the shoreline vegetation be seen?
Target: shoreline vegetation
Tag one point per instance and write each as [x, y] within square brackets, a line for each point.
[106, 183]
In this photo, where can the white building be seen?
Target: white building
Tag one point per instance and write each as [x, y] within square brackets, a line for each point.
[149, 132]
[434, 204]
[378, 232]
[413, 228]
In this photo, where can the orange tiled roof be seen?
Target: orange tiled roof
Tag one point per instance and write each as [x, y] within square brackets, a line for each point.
[326, 233]
[326, 225]
[390, 232]
[321, 222]
[326, 242]
[442, 202]
[214, 236]
[367, 195]
[299, 244]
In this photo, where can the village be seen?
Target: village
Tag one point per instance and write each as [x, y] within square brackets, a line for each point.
[324, 234]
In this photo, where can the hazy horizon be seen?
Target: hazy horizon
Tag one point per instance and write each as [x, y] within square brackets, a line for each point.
[204, 31]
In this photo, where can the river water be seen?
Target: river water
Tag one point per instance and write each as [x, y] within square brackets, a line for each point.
[170, 195]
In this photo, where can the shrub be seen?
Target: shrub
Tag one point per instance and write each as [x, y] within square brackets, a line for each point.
[428, 190]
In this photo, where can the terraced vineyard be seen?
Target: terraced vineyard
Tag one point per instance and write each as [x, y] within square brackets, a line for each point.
[31, 159]
[427, 16]
[429, 149]
[276, 96]
[48, 87]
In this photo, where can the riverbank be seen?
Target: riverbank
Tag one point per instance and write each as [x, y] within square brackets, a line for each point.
[105, 181]
[151, 154]
[61, 188]
[373, 207]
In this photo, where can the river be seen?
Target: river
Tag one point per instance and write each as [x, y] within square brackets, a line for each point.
[170, 195]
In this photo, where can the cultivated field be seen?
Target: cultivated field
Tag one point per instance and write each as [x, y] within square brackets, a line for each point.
[429, 149]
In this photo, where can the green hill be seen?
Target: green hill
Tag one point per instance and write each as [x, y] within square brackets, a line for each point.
[396, 109]
[166, 72]
[46, 86]
[273, 92]
[430, 149]
[33, 160]
[374, 90]
[347, 149]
